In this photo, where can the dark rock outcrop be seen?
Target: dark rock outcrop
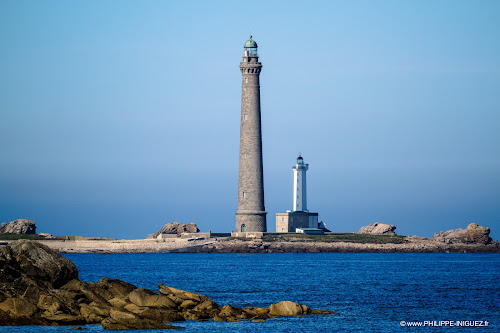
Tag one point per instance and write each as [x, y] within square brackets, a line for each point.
[474, 233]
[378, 229]
[28, 264]
[175, 228]
[29, 274]
[121, 319]
[322, 225]
[40, 287]
[20, 226]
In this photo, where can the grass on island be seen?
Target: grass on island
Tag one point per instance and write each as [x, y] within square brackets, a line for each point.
[18, 236]
[348, 238]
[237, 238]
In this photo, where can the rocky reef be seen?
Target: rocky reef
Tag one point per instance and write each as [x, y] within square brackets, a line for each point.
[175, 228]
[473, 234]
[377, 229]
[40, 287]
[20, 226]
[336, 243]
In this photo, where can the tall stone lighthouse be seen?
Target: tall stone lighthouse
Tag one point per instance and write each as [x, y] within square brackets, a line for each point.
[251, 214]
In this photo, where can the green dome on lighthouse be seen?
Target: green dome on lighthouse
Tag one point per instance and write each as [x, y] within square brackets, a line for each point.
[250, 43]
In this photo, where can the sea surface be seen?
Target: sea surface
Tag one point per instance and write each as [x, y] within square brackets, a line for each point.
[372, 292]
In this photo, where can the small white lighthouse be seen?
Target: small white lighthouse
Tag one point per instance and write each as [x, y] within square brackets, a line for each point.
[299, 219]
[299, 186]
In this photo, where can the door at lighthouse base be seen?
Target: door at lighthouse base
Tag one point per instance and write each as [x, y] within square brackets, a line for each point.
[243, 228]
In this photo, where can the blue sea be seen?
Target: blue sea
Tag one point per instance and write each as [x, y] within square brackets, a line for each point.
[372, 292]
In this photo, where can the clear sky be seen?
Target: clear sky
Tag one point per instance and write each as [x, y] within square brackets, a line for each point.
[117, 117]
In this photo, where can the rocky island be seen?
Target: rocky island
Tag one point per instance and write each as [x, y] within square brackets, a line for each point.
[179, 237]
[40, 287]
[376, 237]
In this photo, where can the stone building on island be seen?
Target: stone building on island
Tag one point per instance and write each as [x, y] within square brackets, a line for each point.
[299, 217]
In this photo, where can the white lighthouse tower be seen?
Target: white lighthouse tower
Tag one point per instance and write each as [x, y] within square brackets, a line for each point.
[299, 219]
[299, 186]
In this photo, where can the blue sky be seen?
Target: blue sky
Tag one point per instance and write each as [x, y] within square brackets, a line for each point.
[117, 117]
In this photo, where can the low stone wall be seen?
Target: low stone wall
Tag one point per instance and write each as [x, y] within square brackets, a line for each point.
[205, 235]
[220, 234]
[248, 234]
[165, 236]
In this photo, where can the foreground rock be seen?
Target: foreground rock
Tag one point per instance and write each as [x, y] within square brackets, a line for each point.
[27, 264]
[474, 233]
[40, 287]
[20, 226]
[377, 229]
[175, 228]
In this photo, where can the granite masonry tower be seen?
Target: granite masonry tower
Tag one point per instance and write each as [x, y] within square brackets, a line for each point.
[251, 214]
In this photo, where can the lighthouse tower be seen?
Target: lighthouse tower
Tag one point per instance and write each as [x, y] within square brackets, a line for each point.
[299, 186]
[251, 214]
[299, 219]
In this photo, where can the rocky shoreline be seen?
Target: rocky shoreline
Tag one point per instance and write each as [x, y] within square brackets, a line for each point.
[177, 237]
[122, 246]
[411, 245]
[40, 287]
